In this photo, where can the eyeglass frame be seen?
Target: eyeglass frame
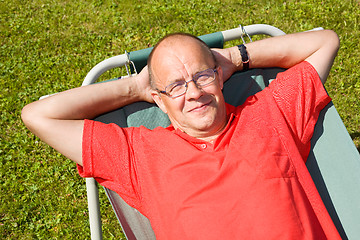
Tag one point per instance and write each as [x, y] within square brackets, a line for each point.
[191, 80]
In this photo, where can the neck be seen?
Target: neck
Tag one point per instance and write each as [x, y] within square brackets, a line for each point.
[205, 136]
[211, 139]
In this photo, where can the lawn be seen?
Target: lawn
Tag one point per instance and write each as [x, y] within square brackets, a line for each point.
[49, 45]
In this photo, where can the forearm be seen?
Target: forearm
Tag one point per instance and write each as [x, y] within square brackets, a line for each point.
[90, 101]
[86, 102]
[288, 50]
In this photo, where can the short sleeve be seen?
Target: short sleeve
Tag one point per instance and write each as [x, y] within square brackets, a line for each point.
[300, 96]
[108, 157]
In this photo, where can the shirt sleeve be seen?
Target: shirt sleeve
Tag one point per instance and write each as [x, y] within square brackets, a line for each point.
[300, 96]
[108, 157]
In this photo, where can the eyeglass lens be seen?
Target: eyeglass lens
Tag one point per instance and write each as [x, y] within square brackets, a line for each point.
[200, 79]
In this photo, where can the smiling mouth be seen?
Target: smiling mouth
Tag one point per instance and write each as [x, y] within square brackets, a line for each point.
[200, 107]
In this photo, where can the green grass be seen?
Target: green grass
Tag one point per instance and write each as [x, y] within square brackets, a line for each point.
[49, 45]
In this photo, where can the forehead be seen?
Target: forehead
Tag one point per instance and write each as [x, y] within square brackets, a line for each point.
[180, 58]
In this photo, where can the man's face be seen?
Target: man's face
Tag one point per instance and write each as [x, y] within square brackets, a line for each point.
[200, 112]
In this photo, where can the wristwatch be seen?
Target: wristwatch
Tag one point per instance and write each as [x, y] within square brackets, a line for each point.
[244, 56]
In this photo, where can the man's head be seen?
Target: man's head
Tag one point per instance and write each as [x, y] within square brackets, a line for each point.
[170, 38]
[200, 111]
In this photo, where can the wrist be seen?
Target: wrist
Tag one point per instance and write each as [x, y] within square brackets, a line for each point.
[141, 87]
[236, 58]
[245, 60]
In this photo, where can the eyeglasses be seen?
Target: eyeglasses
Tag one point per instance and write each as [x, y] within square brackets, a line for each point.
[201, 79]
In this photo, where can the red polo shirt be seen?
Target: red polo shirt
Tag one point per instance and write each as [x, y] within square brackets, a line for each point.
[252, 183]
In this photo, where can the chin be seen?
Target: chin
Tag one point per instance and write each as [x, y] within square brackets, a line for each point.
[206, 126]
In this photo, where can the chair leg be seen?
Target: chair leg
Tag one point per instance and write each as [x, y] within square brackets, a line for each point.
[94, 209]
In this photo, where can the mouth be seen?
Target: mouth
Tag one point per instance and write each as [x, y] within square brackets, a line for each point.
[200, 106]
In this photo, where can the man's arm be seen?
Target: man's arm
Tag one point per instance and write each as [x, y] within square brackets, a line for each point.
[58, 120]
[319, 48]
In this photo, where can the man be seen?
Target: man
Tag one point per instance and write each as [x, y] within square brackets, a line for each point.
[218, 172]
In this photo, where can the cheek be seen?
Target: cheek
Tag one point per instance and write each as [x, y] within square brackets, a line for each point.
[215, 91]
[175, 106]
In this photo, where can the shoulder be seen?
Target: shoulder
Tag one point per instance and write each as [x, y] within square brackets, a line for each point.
[301, 71]
[299, 78]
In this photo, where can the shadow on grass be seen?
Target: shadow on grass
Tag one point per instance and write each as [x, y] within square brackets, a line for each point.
[356, 135]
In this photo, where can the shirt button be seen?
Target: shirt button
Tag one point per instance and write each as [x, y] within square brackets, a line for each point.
[203, 146]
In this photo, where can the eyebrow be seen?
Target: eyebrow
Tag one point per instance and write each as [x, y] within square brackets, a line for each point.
[176, 81]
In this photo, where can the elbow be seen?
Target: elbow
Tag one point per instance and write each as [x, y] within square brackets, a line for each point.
[333, 40]
[31, 117]
[27, 116]
[34, 119]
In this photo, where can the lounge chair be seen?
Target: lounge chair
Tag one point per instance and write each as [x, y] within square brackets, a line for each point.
[334, 162]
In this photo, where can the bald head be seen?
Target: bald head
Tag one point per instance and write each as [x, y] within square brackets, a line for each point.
[169, 52]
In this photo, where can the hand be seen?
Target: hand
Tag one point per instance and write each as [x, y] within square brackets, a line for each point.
[225, 59]
[143, 85]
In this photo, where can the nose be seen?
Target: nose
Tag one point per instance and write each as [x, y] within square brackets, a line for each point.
[193, 91]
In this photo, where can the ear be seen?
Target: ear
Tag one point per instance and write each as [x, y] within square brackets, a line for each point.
[220, 77]
[158, 100]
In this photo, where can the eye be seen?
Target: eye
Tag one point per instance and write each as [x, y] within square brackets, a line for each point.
[175, 87]
[205, 77]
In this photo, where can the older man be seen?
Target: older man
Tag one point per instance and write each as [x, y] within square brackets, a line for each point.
[218, 172]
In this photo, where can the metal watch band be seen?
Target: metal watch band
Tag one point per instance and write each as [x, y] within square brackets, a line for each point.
[244, 56]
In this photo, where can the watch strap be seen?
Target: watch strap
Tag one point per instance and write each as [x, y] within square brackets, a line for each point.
[244, 56]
